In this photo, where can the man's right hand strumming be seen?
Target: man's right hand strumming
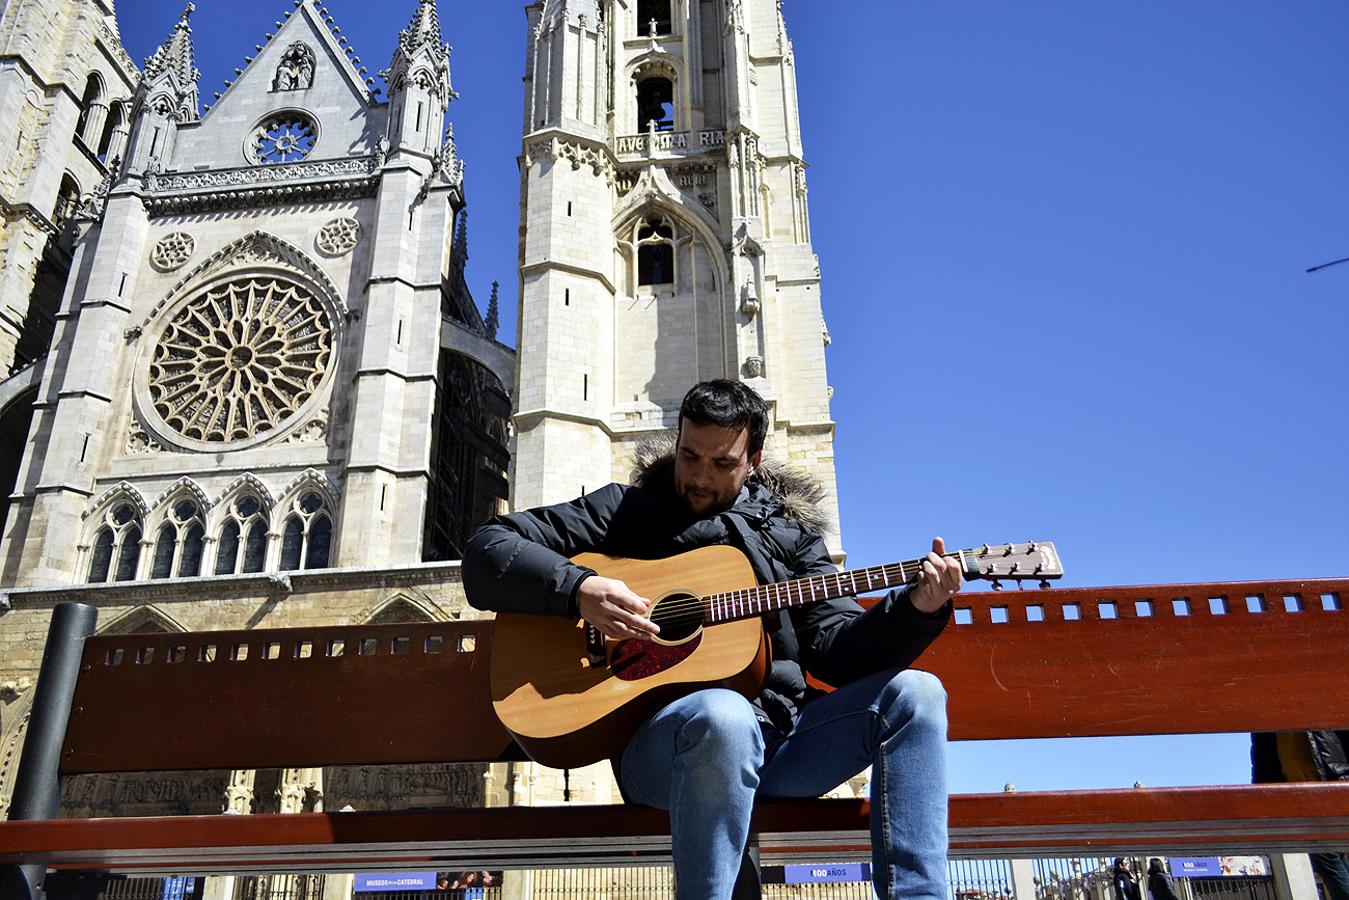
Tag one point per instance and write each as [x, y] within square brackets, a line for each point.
[609, 605]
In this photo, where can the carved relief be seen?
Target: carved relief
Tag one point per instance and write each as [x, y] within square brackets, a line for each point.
[138, 442]
[400, 787]
[577, 154]
[315, 431]
[172, 251]
[159, 793]
[754, 367]
[222, 178]
[339, 236]
[296, 70]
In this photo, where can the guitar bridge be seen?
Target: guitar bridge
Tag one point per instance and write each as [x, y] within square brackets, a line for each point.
[595, 648]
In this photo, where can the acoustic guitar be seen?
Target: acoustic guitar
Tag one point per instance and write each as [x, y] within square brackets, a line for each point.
[572, 697]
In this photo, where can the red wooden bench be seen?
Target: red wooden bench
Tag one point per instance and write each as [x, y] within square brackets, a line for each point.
[1017, 664]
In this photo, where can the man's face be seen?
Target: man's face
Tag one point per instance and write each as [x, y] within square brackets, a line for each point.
[711, 465]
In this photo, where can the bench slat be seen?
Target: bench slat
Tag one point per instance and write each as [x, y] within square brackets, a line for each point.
[1130, 675]
[1156, 674]
[163, 706]
[1265, 818]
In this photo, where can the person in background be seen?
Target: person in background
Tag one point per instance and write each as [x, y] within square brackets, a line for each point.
[1307, 756]
[1123, 881]
[1159, 882]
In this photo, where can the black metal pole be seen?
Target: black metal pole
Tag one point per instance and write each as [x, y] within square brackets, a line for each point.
[37, 784]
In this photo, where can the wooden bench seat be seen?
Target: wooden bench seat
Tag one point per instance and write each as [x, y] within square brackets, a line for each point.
[1239, 657]
[1178, 821]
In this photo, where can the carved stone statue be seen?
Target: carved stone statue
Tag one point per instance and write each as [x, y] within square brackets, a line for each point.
[296, 70]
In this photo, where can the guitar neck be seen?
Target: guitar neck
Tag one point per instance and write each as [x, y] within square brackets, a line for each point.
[756, 601]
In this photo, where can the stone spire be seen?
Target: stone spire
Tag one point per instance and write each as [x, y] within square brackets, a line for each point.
[419, 82]
[493, 321]
[422, 30]
[173, 67]
[460, 250]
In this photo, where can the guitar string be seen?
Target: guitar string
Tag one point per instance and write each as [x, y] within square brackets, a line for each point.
[694, 608]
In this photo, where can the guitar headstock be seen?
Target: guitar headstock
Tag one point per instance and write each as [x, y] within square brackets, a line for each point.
[1034, 560]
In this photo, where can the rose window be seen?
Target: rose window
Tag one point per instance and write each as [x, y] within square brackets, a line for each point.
[286, 137]
[172, 251]
[339, 236]
[240, 359]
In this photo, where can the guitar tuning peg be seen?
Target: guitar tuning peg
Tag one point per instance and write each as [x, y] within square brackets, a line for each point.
[1030, 546]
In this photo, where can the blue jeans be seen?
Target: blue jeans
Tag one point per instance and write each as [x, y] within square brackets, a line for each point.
[1334, 871]
[705, 757]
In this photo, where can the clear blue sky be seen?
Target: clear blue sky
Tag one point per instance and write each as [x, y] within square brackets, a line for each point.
[1063, 248]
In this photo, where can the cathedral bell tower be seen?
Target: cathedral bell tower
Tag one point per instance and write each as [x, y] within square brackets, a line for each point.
[665, 236]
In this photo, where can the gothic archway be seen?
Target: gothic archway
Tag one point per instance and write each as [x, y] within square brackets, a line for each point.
[469, 456]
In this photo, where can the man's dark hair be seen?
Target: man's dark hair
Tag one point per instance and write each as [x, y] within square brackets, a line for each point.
[729, 404]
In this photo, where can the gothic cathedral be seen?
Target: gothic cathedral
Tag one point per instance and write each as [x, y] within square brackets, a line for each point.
[248, 384]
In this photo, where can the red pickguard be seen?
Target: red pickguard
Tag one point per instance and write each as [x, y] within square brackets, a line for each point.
[633, 659]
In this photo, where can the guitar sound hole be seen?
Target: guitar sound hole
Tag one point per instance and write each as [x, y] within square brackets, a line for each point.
[679, 616]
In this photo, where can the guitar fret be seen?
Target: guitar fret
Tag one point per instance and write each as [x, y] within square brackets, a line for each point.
[811, 589]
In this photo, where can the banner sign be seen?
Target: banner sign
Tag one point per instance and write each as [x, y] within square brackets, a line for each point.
[823, 874]
[1217, 866]
[395, 881]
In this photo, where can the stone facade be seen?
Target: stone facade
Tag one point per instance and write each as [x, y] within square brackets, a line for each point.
[265, 360]
[64, 86]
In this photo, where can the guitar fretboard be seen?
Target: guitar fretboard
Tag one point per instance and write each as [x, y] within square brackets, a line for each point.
[756, 601]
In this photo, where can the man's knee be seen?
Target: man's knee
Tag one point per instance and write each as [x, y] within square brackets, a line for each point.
[719, 718]
[919, 698]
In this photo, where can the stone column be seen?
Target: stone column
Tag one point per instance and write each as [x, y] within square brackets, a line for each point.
[121, 130]
[1293, 877]
[239, 792]
[1023, 879]
[94, 119]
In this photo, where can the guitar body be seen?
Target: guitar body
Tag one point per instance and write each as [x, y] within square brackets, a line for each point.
[565, 712]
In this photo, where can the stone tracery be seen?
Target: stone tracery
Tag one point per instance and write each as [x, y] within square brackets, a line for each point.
[240, 359]
[338, 236]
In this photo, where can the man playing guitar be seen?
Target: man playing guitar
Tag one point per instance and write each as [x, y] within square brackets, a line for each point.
[705, 756]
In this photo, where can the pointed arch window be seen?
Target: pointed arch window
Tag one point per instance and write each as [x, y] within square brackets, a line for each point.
[654, 14]
[67, 200]
[655, 252]
[655, 104]
[113, 142]
[117, 546]
[180, 541]
[93, 110]
[243, 539]
[306, 538]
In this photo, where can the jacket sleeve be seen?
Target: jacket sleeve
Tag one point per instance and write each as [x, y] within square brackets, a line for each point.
[842, 642]
[519, 562]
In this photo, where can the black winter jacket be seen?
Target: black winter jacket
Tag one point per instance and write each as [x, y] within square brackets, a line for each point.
[519, 563]
[1328, 752]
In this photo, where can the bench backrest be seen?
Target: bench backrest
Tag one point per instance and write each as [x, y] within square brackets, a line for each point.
[1021, 666]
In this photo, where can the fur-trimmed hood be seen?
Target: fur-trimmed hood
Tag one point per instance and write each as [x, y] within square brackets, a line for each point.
[799, 493]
